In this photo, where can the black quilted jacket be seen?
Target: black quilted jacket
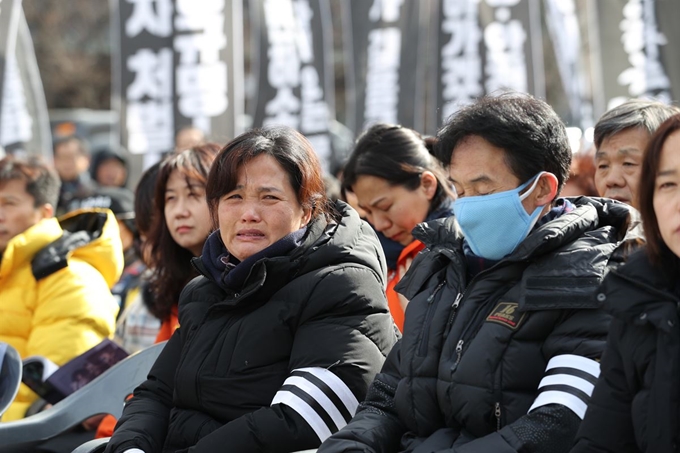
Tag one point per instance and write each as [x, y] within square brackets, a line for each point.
[636, 403]
[276, 366]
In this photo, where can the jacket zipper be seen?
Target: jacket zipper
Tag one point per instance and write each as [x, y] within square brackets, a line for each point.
[425, 331]
[461, 342]
[459, 351]
[454, 309]
[497, 413]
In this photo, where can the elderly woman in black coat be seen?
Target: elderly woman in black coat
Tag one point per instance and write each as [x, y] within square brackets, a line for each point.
[635, 405]
[287, 324]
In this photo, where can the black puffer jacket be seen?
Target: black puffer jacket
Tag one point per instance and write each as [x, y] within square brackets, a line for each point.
[636, 401]
[315, 318]
[473, 354]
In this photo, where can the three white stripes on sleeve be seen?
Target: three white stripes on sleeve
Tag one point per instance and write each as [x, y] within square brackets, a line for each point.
[320, 397]
[569, 381]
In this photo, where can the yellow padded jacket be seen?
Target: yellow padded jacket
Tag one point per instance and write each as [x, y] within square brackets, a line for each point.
[55, 281]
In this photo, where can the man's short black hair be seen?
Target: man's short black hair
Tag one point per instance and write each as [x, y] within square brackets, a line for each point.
[42, 182]
[533, 137]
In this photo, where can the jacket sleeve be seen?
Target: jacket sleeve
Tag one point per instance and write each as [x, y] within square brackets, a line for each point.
[608, 425]
[572, 351]
[340, 343]
[145, 418]
[74, 312]
[376, 426]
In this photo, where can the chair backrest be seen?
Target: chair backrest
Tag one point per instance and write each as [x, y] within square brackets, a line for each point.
[10, 375]
[104, 395]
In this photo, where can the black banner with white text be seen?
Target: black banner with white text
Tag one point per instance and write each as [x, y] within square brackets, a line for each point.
[292, 44]
[177, 63]
[385, 45]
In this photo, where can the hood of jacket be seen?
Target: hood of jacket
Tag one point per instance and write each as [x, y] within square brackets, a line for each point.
[609, 229]
[90, 235]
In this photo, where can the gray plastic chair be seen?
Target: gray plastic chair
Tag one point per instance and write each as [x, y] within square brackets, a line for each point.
[104, 395]
[10, 375]
[99, 445]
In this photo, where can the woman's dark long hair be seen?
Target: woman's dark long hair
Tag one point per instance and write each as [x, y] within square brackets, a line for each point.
[144, 211]
[170, 262]
[659, 254]
[398, 155]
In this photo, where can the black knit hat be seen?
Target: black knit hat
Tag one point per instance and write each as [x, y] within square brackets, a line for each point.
[119, 200]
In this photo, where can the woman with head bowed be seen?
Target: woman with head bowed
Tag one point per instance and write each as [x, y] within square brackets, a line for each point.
[635, 405]
[285, 326]
[398, 184]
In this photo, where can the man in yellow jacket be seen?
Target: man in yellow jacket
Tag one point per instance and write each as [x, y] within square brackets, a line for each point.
[55, 274]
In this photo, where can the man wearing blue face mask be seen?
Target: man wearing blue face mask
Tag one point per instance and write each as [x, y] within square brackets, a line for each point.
[503, 334]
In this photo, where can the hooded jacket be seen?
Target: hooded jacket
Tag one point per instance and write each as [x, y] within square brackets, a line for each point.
[636, 402]
[55, 298]
[276, 364]
[468, 374]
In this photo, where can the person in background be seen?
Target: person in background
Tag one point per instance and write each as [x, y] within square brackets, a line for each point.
[635, 406]
[121, 202]
[398, 184]
[72, 161]
[55, 275]
[333, 187]
[109, 169]
[188, 137]
[621, 135]
[581, 175]
[502, 319]
[136, 327]
[287, 323]
[180, 227]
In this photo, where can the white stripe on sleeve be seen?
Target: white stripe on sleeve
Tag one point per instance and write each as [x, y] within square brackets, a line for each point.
[567, 379]
[578, 362]
[339, 387]
[306, 411]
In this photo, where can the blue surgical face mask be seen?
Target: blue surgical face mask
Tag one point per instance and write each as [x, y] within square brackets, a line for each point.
[494, 225]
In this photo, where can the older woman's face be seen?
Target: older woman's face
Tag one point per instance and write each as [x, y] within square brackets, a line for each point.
[262, 208]
[667, 193]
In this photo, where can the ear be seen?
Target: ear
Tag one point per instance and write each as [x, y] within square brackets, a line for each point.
[428, 183]
[46, 211]
[546, 190]
[306, 217]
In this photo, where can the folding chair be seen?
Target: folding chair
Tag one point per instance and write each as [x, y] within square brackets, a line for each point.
[104, 395]
[10, 375]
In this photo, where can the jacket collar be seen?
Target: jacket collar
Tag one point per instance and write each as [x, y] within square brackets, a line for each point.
[23, 247]
[228, 272]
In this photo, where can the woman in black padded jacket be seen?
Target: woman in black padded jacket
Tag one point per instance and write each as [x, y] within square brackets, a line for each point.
[635, 405]
[287, 324]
